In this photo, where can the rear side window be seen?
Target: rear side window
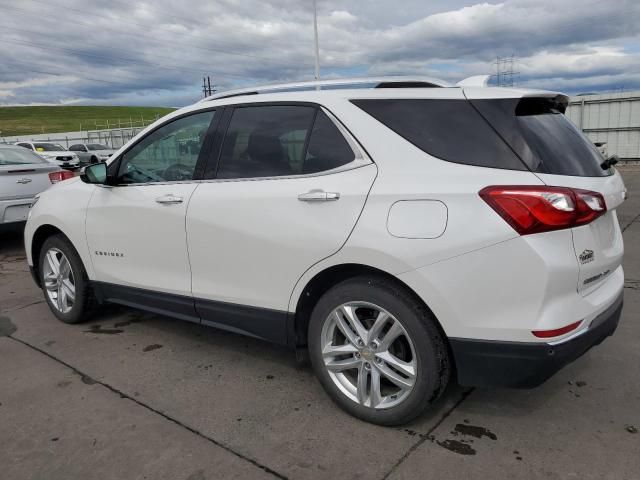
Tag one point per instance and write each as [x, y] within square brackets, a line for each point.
[327, 148]
[543, 137]
[281, 140]
[265, 141]
[451, 130]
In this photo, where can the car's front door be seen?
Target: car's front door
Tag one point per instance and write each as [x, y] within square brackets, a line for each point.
[286, 192]
[136, 228]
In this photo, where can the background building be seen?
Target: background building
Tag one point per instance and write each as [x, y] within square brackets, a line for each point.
[613, 118]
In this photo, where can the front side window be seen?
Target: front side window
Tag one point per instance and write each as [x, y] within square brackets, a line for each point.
[281, 140]
[169, 153]
[76, 148]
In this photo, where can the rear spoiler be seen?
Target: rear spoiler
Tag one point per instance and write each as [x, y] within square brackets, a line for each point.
[477, 87]
[475, 81]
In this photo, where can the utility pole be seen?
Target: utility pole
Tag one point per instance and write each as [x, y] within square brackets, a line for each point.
[505, 71]
[315, 38]
[207, 89]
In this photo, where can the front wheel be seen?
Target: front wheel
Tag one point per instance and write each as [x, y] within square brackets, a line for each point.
[64, 281]
[377, 351]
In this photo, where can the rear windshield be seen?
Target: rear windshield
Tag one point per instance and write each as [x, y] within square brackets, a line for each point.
[543, 137]
[451, 130]
[515, 134]
[19, 156]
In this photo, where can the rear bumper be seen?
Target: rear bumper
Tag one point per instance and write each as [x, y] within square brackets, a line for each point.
[8, 214]
[527, 365]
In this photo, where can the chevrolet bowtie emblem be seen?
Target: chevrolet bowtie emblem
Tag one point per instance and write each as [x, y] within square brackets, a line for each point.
[23, 180]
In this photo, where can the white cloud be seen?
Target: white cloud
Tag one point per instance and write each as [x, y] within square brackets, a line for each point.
[155, 53]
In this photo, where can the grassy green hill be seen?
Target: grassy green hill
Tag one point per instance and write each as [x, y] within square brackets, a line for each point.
[32, 120]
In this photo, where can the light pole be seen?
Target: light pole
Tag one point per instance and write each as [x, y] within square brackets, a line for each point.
[315, 39]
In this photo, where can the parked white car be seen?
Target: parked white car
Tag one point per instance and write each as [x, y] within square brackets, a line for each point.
[53, 152]
[23, 175]
[403, 230]
[91, 152]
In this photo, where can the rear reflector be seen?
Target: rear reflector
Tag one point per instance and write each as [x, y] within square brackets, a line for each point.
[56, 177]
[532, 209]
[557, 332]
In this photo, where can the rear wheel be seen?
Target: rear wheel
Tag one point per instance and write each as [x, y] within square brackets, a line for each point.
[377, 351]
[64, 281]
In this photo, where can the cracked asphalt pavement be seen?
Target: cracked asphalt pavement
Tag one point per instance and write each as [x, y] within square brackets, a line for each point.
[132, 395]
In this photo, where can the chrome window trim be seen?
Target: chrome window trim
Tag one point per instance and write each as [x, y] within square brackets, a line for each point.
[361, 159]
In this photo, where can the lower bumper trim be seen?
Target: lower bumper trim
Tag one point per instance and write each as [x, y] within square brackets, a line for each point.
[481, 363]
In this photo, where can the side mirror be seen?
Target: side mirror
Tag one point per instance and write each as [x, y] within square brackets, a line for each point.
[95, 174]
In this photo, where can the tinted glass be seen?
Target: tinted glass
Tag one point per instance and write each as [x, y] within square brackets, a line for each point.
[19, 156]
[546, 140]
[48, 147]
[327, 147]
[97, 146]
[76, 148]
[169, 153]
[451, 130]
[265, 141]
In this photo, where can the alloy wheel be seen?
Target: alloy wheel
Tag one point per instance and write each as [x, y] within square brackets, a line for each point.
[368, 355]
[59, 282]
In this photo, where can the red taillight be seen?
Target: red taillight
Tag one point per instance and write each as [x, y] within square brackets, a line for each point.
[533, 209]
[557, 332]
[56, 177]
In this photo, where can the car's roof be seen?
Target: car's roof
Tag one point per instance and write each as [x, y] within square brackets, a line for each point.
[391, 87]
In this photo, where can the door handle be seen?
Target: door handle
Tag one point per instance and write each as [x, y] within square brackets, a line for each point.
[318, 196]
[169, 199]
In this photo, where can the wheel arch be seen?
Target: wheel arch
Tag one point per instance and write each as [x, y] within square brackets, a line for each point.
[322, 281]
[39, 237]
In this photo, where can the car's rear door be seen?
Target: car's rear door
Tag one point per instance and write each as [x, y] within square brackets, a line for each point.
[285, 192]
[136, 227]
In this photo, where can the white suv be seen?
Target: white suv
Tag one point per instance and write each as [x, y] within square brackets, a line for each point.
[405, 231]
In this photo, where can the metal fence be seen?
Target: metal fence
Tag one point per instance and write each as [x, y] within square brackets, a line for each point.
[113, 134]
[113, 138]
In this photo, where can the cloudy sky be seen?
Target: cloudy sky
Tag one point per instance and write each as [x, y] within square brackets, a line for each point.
[155, 52]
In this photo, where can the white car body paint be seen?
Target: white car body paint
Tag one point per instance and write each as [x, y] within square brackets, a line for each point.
[481, 279]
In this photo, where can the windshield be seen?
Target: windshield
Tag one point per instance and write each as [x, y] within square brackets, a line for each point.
[48, 147]
[19, 156]
[543, 137]
[97, 146]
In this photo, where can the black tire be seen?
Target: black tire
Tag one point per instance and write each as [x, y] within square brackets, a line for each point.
[432, 355]
[93, 160]
[85, 302]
